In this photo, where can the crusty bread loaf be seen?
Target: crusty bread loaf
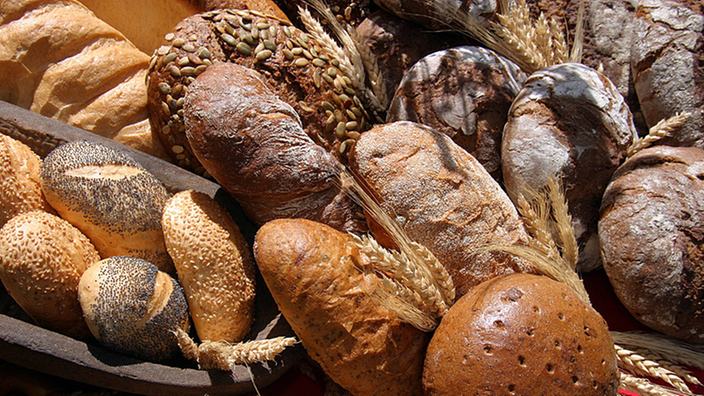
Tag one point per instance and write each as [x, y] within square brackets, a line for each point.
[20, 188]
[521, 334]
[42, 258]
[133, 308]
[254, 145]
[442, 197]
[60, 61]
[313, 273]
[214, 265]
[652, 219]
[110, 197]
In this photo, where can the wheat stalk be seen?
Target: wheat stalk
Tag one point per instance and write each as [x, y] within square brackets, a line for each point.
[643, 364]
[662, 129]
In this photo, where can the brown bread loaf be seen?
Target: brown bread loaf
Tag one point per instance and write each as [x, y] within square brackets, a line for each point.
[650, 232]
[442, 197]
[313, 273]
[60, 61]
[521, 334]
[254, 145]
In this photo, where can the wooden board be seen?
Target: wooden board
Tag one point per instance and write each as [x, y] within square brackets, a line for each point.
[27, 345]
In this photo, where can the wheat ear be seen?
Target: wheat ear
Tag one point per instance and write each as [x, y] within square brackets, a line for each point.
[678, 370]
[642, 386]
[669, 348]
[642, 364]
[662, 129]
[578, 45]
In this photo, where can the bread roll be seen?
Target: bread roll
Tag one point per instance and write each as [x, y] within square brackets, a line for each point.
[521, 334]
[443, 198]
[42, 258]
[214, 266]
[20, 188]
[299, 69]
[110, 197]
[253, 144]
[133, 308]
[60, 61]
[569, 123]
[313, 273]
[652, 219]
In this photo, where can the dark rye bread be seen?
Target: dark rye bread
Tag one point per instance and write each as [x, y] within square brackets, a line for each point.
[254, 145]
[651, 231]
[442, 197]
[521, 334]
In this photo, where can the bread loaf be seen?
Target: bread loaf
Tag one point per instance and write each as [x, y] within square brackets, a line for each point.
[443, 198]
[20, 188]
[214, 266]
[254, 145]
[299, 69]
[109, 197]
[133, 308]
[313, 273]
[521, 334]
[42, 258]
[60, 61]
[650, 231]
[570, 123]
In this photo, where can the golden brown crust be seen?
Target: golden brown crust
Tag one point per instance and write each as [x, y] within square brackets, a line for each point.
[311, 270]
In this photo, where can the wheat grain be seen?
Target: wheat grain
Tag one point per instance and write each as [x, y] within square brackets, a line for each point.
[662, 129]
[669, 348]
[642, 386]
[643, 364]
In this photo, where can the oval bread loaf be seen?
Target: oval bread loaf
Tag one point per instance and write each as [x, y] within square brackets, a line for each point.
[214, 266]
[133, 308]
[313, 273]
[42, 258]
[110, 197]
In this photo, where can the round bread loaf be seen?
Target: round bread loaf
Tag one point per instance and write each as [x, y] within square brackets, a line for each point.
[521, 334]
[214, 266]
[464, 92]
[651, 226]
[299, 69]
[20, 188]
[42, 258]
[133, 308]
[442, 197]
[110, 197]
[569, 123]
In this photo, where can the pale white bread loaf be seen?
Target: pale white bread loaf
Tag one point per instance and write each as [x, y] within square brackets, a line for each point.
[61, 61]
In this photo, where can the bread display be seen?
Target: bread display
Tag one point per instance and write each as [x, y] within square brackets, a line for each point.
[442, 197]
[568, 122]
[20, 188]
[650, 225]
[42, 258]
[521, 334]
[214, 266]
[254, 145]
[133, 308]
[110, 197]
[60, 61]
[313, 273]
[464, 92]
[298, 68]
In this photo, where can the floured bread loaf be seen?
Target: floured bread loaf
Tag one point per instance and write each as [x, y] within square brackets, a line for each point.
[110, 197]
[42, 258]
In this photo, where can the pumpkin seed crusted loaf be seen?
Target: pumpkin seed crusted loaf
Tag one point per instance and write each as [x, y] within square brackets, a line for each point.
[296, 66]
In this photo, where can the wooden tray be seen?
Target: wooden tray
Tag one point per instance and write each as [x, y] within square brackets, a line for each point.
[27, 345]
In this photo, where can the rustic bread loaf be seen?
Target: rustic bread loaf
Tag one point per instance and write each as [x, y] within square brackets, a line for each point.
[314, 276]
[570, 123]
[254, 145]
[214, 265]
[133, 308]
[650, 230]
[464, 92]
[521, 334]
[60, 61]
[110, 197]
[42, 258]
[20, 188]
[298, 68]
[442, 197]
